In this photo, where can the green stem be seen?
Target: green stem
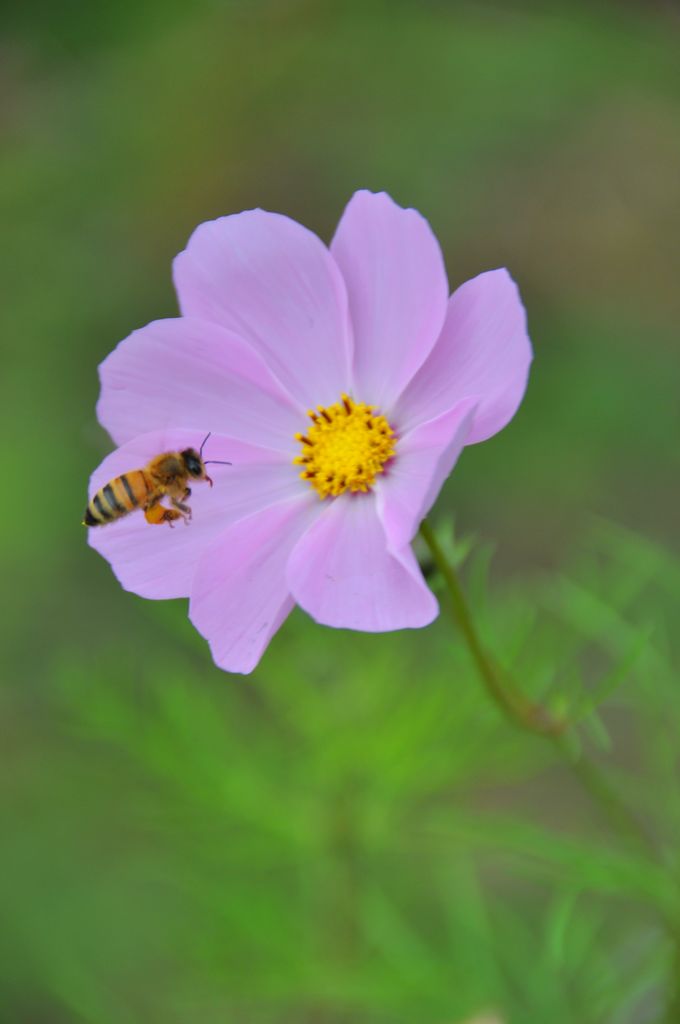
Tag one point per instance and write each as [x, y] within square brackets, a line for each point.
[524, 713]
[530, 716]
[512, 702]
[614, 807]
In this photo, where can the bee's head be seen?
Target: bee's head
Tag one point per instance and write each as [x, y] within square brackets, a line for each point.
[194, 464]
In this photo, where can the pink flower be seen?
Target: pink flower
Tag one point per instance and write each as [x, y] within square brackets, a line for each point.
[318, 511]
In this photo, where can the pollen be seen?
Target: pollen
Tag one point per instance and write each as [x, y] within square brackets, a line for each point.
[346, 447]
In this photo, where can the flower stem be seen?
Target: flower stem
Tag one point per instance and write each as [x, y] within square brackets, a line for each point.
[526, 714]
[512, 702]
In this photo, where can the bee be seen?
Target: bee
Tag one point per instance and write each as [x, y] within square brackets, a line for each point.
[166, 475]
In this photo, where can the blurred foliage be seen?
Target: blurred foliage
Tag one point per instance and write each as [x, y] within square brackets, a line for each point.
[351, 835]
[356, 835]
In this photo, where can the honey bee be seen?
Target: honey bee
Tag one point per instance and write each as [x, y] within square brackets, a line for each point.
[166, 475]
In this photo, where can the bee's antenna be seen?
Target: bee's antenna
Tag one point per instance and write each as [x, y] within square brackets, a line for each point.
[213, 462]
[200, 452]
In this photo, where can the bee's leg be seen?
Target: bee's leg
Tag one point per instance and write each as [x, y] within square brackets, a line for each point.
[184, 509]
[156, 514]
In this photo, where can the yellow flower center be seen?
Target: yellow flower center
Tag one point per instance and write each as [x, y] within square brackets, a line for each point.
[346, 447]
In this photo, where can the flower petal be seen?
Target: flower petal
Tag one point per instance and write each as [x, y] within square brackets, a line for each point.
[341, 573]
[425, 457]
[159, 561]
[240, 596]
[192, 373]
[483, 351]
[397, 287]
[276, 285]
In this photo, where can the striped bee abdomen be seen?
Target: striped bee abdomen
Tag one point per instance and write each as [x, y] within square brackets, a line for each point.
[117, 498]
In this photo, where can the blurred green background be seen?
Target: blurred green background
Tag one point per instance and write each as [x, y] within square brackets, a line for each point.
[352, 835]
